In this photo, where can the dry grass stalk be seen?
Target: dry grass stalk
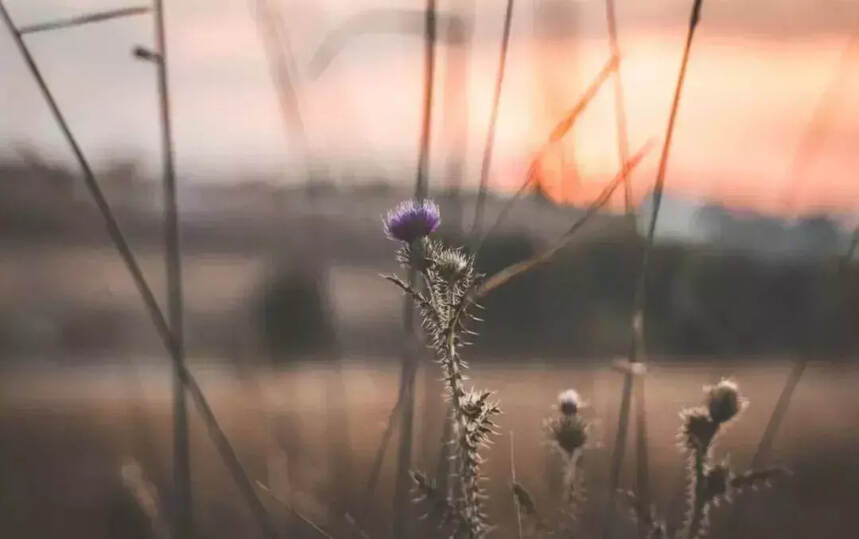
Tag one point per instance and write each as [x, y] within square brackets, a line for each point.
[558, 132]
[637, 348]
[493, 117]
[216, 433]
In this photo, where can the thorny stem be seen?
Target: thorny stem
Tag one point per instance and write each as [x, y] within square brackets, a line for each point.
[415, 295]
[454, 378]
[445, 313]
[443, 470]
[698, 502]
[571, 479]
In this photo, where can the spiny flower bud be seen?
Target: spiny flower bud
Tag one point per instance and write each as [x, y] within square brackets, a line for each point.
[451, 264]
[723, 401]
[569, 402]
[411, 220]
[698, 428]
[567, 433]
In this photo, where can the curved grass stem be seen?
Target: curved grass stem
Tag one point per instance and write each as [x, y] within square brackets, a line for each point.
[638, 352]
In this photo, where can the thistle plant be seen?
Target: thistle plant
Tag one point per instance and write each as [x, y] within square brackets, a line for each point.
[568, 434]
[443, 282]
[708, 482]
[443, 292]
[711, 482]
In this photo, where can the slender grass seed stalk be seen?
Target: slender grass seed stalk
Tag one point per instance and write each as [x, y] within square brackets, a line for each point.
[493, 118]
[183, 500]
[637, 347]
[159, 321]
[409, 367]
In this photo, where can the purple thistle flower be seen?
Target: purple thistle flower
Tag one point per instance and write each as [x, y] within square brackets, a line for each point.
[411, 221]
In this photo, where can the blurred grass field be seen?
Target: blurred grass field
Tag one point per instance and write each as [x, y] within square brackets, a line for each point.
[310, 432]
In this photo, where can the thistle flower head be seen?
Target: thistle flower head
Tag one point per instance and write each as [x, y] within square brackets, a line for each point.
[569, 402]
[412, 220]
[724, 401]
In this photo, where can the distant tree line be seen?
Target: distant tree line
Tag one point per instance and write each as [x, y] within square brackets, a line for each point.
[700, 300]
[754, 285]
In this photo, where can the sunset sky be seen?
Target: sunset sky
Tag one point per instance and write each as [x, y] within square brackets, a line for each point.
[756, 76]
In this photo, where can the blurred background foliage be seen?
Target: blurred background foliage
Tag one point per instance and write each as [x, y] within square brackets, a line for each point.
[737, 283]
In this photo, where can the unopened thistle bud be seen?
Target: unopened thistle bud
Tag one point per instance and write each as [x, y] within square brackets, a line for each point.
[569, 402]
[451, 264]
[723, 401]
[698, 428]
[568, 432]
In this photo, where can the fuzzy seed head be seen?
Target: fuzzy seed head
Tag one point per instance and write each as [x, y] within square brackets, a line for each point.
[569, 402]
[410, 220]
[723, 401]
